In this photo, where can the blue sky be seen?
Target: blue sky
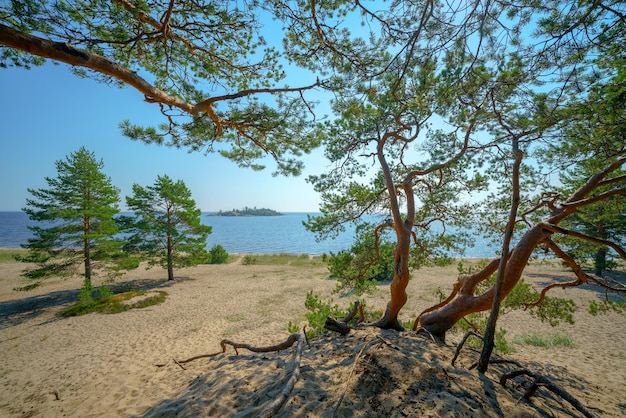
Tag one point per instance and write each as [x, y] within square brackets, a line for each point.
[47, 112]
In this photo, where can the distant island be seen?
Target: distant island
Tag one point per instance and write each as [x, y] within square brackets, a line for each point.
[249, 212]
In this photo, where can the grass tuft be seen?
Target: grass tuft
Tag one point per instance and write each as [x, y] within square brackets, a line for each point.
[548, 341]
[116, 303]
[284, 259]
[7, 255]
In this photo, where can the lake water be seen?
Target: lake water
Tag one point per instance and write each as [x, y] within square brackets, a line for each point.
[245, 234]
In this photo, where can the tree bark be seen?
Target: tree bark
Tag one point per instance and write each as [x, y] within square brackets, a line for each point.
[401, 275]
[490, 329]
[170, 264]
[439, 321]
[600, 262]
[71, 55]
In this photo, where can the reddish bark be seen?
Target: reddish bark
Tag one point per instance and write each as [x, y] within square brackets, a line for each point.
[440, 319]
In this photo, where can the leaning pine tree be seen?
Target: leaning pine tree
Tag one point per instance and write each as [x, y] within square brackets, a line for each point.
[76, 225]
[166, 227]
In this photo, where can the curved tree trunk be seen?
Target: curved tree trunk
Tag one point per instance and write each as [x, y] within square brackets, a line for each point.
[440, 320]
[401, 253]
[401, 276]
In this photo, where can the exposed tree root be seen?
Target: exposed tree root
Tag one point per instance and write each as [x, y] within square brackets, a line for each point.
[462, 343]
[277, 347]
[277, 403]
[341, 326]
[345, 388]
[540, 380]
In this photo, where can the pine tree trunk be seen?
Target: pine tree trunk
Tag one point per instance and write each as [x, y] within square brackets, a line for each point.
[170, 266]
[600, 262]
[400, 281]
[440, 320]
[86, 249]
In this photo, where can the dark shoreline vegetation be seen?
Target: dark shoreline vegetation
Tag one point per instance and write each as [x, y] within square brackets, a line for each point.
[246, 211]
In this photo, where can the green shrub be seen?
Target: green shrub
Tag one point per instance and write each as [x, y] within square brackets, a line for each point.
[85, 295]
[218, 254]
[248, 260]
[358, 269]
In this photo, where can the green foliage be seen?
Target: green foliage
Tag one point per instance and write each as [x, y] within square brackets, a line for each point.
[319, 310]
[604, 220]
[85, 294]
[11, 254]
[75, 221]
[292, 328]
[213, 51]
[605, 306]
[104, 301]
[283, 259]
[554, 311]
[549, 341]
[28, 287]
[218, 254]
[359, 268]
[166, 227]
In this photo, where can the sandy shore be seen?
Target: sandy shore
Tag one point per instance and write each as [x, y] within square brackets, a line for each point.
[100, 365]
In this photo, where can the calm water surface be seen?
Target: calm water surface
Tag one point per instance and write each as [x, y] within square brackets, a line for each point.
[245, 234]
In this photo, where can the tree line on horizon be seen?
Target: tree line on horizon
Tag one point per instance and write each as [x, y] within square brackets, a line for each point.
[79, 224]
[246, 211]
[521, 103]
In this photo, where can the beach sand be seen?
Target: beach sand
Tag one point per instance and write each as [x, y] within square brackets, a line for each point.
[122, 365]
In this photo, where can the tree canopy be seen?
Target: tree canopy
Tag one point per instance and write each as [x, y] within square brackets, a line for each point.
[208, 67]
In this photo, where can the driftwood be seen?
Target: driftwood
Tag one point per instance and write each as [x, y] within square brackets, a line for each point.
[540, 380]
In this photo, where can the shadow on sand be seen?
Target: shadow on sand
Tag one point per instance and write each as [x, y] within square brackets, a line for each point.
[15, 312]
[543, 279]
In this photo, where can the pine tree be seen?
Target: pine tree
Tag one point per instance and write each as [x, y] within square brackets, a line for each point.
[76, 220]
[166, 227]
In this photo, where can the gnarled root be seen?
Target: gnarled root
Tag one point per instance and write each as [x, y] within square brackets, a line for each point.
[540, 380]
[277, 347]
